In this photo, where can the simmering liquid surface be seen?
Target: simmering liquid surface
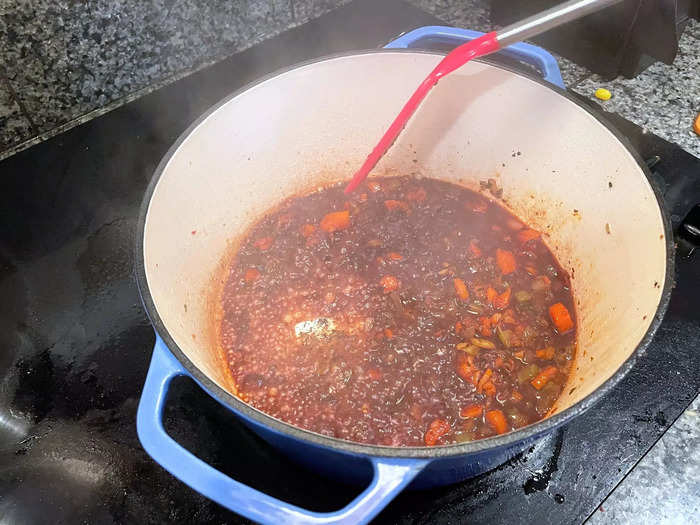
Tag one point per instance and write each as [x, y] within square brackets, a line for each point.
[413, 312]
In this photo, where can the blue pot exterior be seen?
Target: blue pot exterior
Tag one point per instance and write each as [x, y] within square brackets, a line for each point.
[388, 475]
[388, 470]
[385, 471]
[356, 469]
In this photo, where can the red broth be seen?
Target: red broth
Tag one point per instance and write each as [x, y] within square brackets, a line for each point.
[414, 312]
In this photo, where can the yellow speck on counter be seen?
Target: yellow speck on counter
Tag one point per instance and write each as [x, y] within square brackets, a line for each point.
[603, 94]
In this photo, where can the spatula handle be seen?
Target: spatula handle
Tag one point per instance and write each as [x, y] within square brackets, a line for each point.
[544, 20]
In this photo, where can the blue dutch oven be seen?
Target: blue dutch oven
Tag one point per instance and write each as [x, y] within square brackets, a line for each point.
[297, 128]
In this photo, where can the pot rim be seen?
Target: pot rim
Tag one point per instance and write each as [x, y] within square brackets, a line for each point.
[511, 438]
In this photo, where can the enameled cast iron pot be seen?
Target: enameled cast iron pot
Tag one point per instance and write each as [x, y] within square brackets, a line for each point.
[562, 169]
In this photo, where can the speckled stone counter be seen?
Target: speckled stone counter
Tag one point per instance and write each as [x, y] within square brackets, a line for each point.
[664, 487]
[65, 61]
[662, 99]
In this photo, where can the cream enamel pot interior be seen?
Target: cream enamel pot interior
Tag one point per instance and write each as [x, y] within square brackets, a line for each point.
[562, 171]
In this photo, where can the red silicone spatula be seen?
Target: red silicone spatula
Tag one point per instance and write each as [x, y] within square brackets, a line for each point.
[481, 46]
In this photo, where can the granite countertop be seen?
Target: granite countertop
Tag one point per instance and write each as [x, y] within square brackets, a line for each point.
[65, 62]
[666, 480]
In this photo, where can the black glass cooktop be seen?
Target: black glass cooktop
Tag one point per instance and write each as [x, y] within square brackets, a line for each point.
[75, 343]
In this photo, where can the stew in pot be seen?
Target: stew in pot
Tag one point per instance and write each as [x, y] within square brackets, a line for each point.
[414, 312]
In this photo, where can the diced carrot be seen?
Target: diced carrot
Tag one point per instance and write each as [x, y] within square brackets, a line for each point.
[437, 429]
[489, 389]
[308, 229]
[458, 326]
[543, 377]
[485, 329]
[516, 396]
[393, 256]
[471, 411]
[418, 194]
[465, 367]
[502, 300]
[251, 274]
[388, 333]
[531, 270]
[374, 186]
[396, 205]
[497, 421]
[389, 283]
[334, 221]
[484, 379]
[374, 374]
[545, 353]
[461, 289]
[509, 316]
[506, 261]
[527, 235]
[561, 318]
[474, 379]
[491, 294]
[263, 243]
[474, 248]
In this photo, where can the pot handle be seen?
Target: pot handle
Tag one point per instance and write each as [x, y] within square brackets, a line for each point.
[533, 55]
[391, 475]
